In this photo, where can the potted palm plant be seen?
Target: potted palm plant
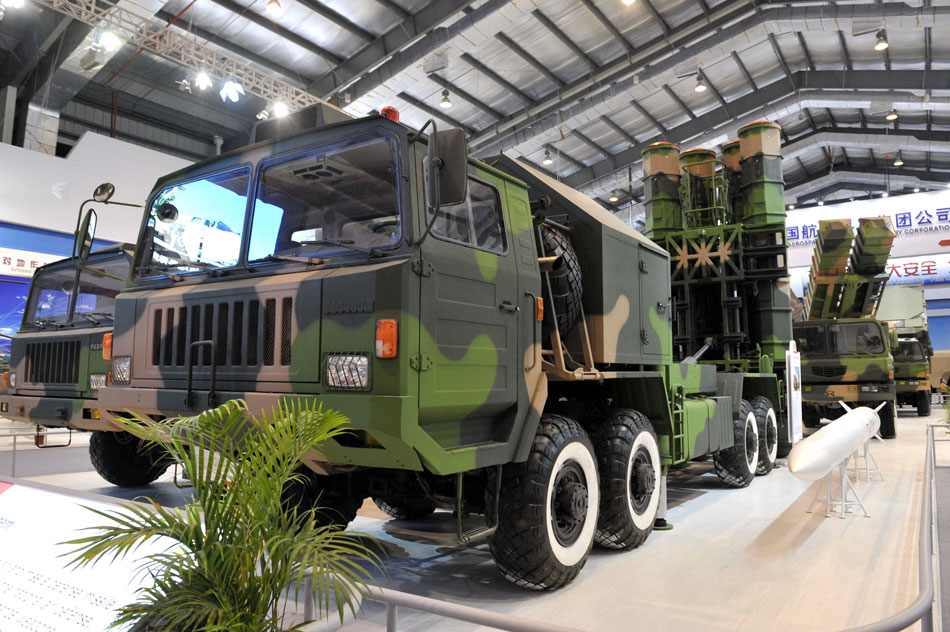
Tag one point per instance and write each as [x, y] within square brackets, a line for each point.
[235, 548]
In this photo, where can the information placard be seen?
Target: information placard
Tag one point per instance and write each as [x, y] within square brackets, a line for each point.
[37, 592]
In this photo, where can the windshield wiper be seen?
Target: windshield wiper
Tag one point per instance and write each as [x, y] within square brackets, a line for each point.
[90, 316]
[343, 243]
[292, 258]
[43, 322]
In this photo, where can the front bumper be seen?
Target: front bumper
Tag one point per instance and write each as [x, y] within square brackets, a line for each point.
[862, 392]
[382, 428]
[911, 385]
[66, 412]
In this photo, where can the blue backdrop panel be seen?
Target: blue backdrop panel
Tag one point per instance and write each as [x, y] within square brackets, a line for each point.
[939, 332]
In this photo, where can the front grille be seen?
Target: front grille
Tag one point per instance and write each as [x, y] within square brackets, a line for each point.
[54, 362]
[829, 371]
[248, 333]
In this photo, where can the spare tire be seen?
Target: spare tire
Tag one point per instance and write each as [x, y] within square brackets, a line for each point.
[566, 286]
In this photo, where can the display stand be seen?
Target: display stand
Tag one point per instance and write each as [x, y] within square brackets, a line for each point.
[868, 460]
[842, 502]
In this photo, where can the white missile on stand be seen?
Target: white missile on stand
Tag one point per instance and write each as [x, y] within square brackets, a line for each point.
[815, 456]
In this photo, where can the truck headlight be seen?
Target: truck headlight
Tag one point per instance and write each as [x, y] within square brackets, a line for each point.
[97, 381]
[121, 369]
[348, 371]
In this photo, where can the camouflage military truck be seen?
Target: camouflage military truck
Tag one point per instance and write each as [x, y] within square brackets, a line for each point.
[59, 357]
[905, 310]
[846, 352]
[500, 343]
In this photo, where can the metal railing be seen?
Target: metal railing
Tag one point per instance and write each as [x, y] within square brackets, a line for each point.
[395, 599]
[922, 608]
[34, 435]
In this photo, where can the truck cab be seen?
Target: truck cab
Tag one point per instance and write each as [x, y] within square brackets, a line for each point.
[912, 369]
[58, 360]
[849, 360]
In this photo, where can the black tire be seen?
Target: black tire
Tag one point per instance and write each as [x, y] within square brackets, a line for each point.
[543, 538]
[887, 414]
[768, 434]
[326, 496]
[736, 465]
[125, 460]
[628, 460]
[811, 416]
[566, 284]
[923, 403]
[405, 508]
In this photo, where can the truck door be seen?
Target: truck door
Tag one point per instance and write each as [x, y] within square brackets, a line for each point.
[467, 361]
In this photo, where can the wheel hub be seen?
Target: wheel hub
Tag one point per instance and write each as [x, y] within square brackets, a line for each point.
[572, 500]
[569, 503]
[642, 480]
[645, 478]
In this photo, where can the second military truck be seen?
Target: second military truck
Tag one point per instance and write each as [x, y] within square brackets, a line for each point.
[501, 343]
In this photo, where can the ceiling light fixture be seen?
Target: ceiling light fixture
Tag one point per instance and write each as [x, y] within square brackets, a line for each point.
[891, 116]
[821, 202]
[547, 158]
[851, 199]
[445, 103]
[14, 4]
[898, 162]
[281, 109]
[203, 81]
[613, 197]
[885, 194]
[916, 189]
[232, 90]
[627, 2]
[791, 207]
[184, 85]
[2, 11]
[273, 8]
[91, 60]
[700, 85]
[263, 115]
[110, 41]
[881, 43]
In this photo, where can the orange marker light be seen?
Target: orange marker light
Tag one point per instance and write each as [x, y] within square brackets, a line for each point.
[6, 379]
[387, 337]
[107, 347]
[539, 308]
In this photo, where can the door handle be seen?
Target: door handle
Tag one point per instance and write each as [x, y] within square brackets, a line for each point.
[507, 306]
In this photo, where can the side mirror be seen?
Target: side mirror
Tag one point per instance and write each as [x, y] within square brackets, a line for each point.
[449, 146]
[85, 236]
[167, 212]
[104, 192]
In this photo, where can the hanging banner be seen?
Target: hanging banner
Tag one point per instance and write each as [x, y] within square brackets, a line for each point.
[921, 270]
[23, 263]
[921, 220]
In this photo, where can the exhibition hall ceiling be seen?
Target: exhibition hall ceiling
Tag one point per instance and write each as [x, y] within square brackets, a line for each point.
[575, 87]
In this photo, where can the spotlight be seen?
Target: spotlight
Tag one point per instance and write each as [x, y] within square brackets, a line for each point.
[891, 116]
[203, 81]
[881, 43]
[232, 90]
[899, 162]
[550, 161]
[885, 194]
[916, 189]
[445, 103]
[821, 202]
[281, 109]
[110, 41]
[273, 8]
[700, 85]
[263, 115]
[613, 198]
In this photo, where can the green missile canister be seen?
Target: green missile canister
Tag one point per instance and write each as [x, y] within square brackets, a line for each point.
[701, 191]
[661, 184]
[763, 187]
[730, 158]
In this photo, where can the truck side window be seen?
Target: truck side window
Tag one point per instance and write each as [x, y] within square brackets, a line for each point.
[476, 223]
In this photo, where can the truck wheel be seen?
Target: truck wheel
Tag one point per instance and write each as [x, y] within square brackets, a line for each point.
[768, 434]
[328, 495]
[404, 508]
[736, 465]
[548, 510]
[923, 403]
[125, 460]
[888, 428]
[566, 285]
[628, 458]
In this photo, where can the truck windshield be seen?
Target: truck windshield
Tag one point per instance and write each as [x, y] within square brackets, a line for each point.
[856, 338]
[195, 225]
[50, 293]
[97, 293]
[909, 351]
[342, 198]
[810, 340]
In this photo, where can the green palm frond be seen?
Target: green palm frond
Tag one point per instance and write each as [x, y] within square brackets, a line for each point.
[235, 548]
